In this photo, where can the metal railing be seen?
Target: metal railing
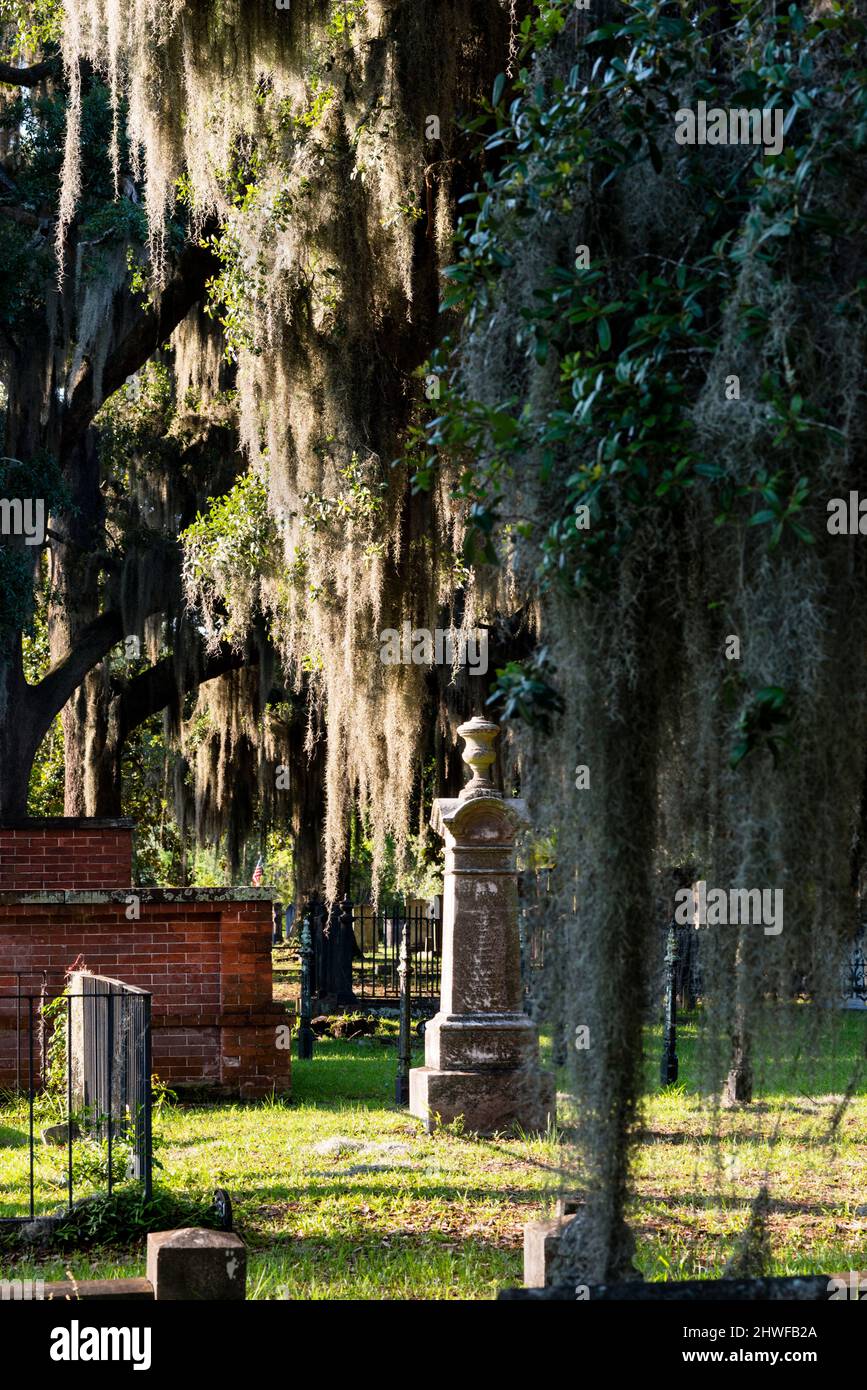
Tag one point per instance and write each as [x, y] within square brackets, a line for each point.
[355, 951]
[379, 935]
[87, 1050]
[855, 975]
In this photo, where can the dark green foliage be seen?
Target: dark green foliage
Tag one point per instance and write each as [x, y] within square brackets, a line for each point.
[39, 121]
[126, 1216]
[522, 691]
[629, 337]
[40, 477]
[25, 266]
[761, 724]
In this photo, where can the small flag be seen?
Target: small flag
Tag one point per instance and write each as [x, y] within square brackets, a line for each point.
[257, 873]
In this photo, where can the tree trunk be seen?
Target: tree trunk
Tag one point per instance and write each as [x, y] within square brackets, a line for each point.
[739, 1082]
[75, 602]
[20, 734]
[22, 724]
[308, 820]
[81, 635]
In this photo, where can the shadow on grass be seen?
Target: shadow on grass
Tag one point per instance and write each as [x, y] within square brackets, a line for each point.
[305, 1191]
[394, 1241]
[723, 1202]
[13, 1138]
[733, 1136]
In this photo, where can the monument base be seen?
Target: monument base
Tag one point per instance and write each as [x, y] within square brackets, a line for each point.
[488, 1101]
[505, 1041]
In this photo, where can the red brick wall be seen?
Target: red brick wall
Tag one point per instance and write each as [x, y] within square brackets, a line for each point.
[204, 955]
[65, 853]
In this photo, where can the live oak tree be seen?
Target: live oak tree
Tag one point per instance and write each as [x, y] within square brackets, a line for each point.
[66, 348]
[295, 183]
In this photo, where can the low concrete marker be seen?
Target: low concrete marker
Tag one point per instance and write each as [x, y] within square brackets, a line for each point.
[196, 1265]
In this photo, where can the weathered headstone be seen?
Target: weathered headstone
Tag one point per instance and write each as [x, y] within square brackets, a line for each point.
[481, 1049]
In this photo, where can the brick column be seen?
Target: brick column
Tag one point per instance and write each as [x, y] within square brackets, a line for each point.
[60, 852]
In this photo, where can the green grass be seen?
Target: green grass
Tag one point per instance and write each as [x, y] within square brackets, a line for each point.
[446, 1226]
[697, 1172]
[444, 1221]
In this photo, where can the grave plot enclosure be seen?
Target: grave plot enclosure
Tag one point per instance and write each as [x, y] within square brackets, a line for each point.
[203, 954]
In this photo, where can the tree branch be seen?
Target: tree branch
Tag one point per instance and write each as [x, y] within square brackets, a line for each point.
[151, 691]
[148, 331]
[29, 77]
[90, 646]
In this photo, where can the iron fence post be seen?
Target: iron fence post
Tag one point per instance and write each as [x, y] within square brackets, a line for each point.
[31, 1097]
[305, 1031]
[344, 950]
[148, 1099]
[669, 1066]
[109, 1028]
[856, 987]
[69, 1100]
[404, 1042]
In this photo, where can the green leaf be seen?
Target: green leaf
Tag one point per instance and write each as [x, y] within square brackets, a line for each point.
[776, 229]
[739, 752]
[774, 695]
[604, 334]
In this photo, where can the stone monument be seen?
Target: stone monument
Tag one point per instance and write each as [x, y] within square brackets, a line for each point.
[481, 1049]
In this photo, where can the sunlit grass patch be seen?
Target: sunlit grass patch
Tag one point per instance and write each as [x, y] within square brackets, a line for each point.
[391, 1212]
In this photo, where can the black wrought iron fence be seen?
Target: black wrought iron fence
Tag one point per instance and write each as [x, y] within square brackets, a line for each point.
[355, 952]
[855, 974]
[689, 980]
[376, 971]
[83, 1071]
[18, 986]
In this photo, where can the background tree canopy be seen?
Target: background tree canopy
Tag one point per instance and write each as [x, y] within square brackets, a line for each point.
[269, 274]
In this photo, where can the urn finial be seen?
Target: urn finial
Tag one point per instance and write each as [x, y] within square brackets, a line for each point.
[478, 735]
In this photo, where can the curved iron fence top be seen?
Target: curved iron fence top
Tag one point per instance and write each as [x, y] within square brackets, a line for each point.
[120, 985]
